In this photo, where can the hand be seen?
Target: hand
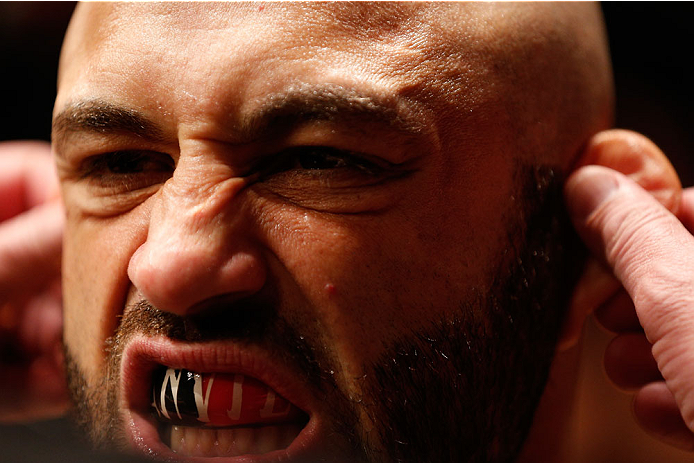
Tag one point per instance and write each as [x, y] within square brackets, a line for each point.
[652, 254]
[32, 384]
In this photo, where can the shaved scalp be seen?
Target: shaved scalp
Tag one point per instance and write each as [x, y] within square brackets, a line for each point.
[546, 65]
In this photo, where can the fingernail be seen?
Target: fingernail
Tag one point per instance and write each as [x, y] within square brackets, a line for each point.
[588, 189]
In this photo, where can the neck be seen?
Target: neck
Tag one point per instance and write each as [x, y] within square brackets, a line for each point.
[550, 436]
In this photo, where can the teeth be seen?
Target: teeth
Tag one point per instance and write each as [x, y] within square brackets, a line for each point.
[243, 440]
[177, 437]
[205, 442]
[286, 435]
[226, 444]
[190, 441]
[269, 441]
[230, 442]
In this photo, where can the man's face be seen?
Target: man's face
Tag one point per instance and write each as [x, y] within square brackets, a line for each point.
[316, 205]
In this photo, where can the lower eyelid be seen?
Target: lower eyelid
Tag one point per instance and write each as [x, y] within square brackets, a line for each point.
[106, 204]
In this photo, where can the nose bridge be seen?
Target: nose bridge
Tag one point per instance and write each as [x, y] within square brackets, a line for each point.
[198, 244]
[196, 202]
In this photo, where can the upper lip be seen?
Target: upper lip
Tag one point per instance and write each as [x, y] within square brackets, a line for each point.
[143, 354]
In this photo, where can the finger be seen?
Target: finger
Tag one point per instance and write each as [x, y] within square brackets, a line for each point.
[618, 314]
[657, 413]
[30, 250]
[686, 213]
[629, 363]
[652, 254]
[27, 176]
[40, 327]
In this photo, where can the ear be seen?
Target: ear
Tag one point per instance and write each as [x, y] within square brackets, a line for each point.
[641, 160]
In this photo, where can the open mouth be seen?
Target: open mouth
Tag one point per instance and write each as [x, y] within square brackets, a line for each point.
[190, 402]
[221, 414]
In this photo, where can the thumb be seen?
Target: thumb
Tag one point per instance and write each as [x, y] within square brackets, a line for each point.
[652, 254]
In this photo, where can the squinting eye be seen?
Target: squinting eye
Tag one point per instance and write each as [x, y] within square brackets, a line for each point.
[327, 179]
[131, 169]
[129, 162]
[317, 158]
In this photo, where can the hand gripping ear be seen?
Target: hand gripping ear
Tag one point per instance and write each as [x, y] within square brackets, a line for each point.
[640, 159]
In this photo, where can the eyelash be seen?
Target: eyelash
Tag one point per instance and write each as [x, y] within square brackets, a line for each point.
[317, 158]
[123, 162]
[128, 170]
[123, 167]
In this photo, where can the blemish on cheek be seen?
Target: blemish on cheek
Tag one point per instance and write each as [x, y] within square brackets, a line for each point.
[330, 289]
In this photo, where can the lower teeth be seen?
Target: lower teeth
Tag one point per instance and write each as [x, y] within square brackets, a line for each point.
[229, 442]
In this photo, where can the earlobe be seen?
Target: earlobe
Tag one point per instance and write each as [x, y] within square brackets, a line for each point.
[640, 159]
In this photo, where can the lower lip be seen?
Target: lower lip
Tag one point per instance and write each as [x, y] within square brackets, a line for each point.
[142, 427]
[144, 435]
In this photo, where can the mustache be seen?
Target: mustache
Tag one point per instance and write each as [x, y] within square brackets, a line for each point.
[215, 319]
[244, 322]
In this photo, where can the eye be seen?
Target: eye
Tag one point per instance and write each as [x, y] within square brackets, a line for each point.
[328, 179]
[317, 158]
[127, 169]
[321, 158]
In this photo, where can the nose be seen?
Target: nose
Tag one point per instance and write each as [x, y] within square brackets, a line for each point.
[198, 245]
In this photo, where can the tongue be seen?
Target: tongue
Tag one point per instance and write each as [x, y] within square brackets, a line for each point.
[217, 399]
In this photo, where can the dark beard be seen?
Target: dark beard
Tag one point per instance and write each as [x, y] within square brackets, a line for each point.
[462, 390]
[466, 390]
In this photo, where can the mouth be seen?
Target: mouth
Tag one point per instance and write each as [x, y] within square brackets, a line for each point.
[222, 414]
[192, 402]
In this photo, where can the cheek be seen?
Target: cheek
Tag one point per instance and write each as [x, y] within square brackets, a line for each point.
[95, 258]
[371, 279]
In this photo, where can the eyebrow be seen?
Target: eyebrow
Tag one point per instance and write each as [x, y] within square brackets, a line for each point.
[328, 103]
[291, 107]
[101, 117]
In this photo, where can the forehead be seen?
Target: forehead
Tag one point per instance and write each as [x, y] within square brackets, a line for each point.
[276, 26]
[206, 50]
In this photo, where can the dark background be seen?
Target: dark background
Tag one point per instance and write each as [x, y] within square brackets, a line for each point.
[651, 54]
[650, 45]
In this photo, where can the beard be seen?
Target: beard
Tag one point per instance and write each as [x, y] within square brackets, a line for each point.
[462, 389]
